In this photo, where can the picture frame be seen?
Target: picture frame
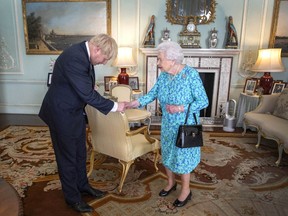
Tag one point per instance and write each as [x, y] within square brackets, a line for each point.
[279, 30]
[49, 79]
[77, 21]
[250, 85]
[134, 83]
[278, 87]
[109, 81]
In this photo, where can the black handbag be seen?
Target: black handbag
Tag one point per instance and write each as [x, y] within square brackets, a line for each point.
[189, 135]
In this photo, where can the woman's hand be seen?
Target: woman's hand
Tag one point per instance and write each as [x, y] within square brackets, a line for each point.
[174, 108]
[132, 104]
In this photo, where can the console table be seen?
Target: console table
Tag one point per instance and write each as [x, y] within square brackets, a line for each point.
[246, 103]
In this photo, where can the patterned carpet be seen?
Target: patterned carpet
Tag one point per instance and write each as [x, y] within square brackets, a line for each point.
[233, 178]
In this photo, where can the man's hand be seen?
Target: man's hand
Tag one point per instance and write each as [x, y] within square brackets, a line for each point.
[121, 106]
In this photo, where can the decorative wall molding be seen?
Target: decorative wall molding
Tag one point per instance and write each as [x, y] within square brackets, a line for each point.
[15, 46]
[11, 81]
[20, 108]
[197, 52]
[248, 57]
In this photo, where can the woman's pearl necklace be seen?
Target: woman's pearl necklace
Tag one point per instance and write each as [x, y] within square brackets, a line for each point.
[172, 76]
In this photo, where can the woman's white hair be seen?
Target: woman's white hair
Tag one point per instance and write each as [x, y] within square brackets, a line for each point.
[172, 51]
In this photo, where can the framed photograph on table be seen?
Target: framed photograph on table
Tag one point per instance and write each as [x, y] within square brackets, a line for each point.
[134, 83]
[279, 30]
[278, 87]
[50, 26]
[250, 85]
[109, 81]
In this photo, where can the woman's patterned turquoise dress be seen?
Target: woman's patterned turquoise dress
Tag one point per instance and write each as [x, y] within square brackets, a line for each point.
[184, 88]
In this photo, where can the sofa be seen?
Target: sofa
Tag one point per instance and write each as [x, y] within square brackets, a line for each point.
[270, 118]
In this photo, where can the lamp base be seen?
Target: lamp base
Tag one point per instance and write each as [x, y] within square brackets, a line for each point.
[266, 82]
[123, 77]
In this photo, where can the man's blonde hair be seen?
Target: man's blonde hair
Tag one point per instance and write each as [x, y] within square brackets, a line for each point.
[107, 45]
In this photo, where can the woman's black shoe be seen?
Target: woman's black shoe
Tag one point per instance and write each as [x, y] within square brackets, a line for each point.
[166, 193]
[178, 203]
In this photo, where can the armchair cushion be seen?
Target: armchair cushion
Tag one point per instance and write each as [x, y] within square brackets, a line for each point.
[269, 124]
[281, 108]
[137, 114]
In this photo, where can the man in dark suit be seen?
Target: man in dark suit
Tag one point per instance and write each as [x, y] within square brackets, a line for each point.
[62, 110]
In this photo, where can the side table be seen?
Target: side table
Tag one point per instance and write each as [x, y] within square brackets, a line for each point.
[245, 104]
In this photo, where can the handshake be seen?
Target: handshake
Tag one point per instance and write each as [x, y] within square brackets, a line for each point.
[122, 106]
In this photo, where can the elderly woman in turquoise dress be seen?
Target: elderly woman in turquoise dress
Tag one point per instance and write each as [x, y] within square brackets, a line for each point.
[177, 86]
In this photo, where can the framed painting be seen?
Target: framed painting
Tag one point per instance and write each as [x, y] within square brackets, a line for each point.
[278, 87]
[50, 26]
[250, 85]
[109, 81]
[279, 30]
[134, 83]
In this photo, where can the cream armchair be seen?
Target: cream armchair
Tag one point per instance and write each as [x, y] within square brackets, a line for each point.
[121, 92]
[124, 93]
[111, 135]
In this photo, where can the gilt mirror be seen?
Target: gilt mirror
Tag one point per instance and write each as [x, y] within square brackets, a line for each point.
[200, 11]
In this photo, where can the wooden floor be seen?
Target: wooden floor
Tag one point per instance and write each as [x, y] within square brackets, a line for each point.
[10, 201]
[19, 119]
[33, 120]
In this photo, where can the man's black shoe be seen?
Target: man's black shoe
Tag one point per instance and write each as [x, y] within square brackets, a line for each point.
[94, 192]
[81, 207]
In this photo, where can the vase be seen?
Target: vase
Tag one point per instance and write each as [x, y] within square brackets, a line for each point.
[123, 77]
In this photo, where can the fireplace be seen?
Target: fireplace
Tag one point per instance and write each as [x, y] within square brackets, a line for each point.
[208, 80]
[215, 68]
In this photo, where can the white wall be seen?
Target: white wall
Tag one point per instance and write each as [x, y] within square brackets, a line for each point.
[23, 88]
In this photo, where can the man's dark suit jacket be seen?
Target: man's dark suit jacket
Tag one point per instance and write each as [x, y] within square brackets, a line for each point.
[72, 87]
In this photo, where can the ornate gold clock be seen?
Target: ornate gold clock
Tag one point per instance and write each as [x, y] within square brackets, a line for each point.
[190, 37]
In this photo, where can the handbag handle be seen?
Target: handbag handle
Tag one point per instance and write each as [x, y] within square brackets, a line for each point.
[187, 116]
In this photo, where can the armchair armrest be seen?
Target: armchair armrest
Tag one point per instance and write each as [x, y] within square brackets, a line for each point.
[140, 130]
[267, 103]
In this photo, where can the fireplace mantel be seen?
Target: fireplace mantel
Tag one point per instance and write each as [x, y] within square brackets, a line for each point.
[216, 61]
[197, 52]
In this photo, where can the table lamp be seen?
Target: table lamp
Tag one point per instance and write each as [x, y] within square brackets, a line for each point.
[124, 60]
[268, 61]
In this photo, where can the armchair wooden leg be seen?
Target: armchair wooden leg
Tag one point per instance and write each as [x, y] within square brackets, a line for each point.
[244, 128]
[92, 157]
[125, 168]
[280, 152]
[259, 139]
[156, 159]
[149, 123]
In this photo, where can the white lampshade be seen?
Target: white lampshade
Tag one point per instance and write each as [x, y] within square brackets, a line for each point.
[269, 60]
[124, 58]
